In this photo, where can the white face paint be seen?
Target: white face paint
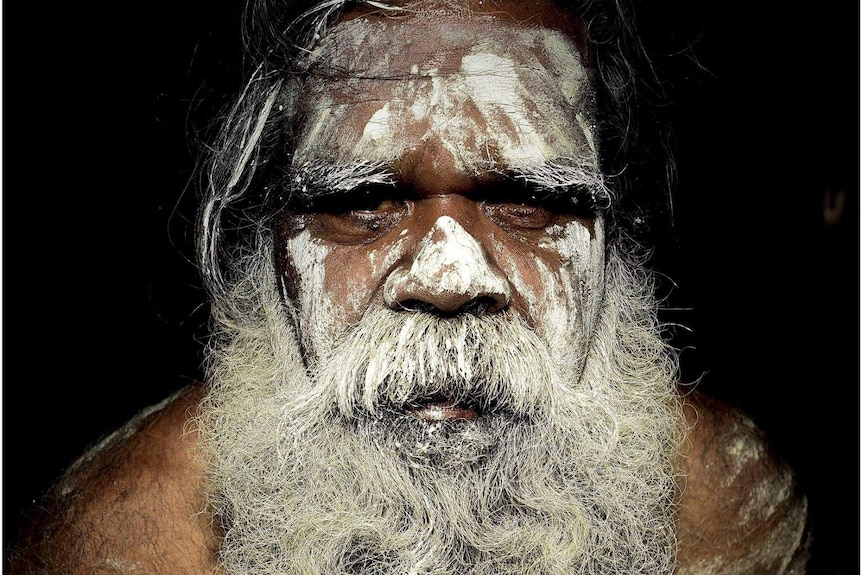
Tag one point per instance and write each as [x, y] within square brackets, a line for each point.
[454, 438]
[576, 287]
[316, 309]
[449, 260]
[489, 96]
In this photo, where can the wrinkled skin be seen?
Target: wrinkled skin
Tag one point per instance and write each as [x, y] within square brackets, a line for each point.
[445, 239]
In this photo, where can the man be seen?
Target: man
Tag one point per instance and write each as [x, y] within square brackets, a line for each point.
[434, 341]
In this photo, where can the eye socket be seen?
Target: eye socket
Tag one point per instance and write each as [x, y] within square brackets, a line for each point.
[357, 216]
[522, 215]
[518, 207]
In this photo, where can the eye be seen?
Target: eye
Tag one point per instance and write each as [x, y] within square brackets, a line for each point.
[357, 216]
[518, 207]
[526, 214]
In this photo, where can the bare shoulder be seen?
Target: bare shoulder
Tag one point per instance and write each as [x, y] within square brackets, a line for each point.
[131, 504]
[741, 510]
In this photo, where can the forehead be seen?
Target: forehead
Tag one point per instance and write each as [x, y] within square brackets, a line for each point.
[480, 86]
[442, 32]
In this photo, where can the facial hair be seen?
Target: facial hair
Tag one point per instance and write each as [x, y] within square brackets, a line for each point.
[324, 470]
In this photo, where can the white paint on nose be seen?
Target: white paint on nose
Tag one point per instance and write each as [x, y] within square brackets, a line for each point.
[448, 261]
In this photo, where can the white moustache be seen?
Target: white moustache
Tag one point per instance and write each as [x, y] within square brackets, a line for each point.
[393, 359]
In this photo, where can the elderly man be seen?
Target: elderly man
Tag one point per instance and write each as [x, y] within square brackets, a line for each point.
[434, 336]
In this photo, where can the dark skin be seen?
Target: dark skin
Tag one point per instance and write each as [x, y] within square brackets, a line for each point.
[135, 504]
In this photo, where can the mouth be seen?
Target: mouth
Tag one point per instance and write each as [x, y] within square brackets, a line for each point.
[443, 409]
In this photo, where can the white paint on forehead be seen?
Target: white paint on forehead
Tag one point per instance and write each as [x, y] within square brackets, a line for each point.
[518, 91]
[561, 51]
[378, 126]
[494, 85]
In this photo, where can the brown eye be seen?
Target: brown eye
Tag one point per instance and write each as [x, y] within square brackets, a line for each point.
[358, 216]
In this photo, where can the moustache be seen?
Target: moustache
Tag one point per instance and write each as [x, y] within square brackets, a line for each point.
[403, 361]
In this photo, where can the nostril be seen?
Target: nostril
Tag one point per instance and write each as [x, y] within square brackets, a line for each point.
[417, 305]
[481, 305]
[476, 306]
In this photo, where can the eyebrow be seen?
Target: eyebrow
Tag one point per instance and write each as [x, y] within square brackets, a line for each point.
[555, 174]
[313, 180]
[578, 180]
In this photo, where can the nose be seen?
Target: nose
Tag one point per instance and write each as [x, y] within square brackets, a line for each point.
[449, 274]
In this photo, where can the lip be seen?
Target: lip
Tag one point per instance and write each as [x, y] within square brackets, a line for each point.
[442, 410]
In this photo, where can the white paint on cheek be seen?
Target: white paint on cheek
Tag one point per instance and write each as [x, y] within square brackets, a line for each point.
[559, 309]
[381, 260]
[524, 289]
[526, 292]
[583, 254]
[571, 295]
[571, 242]
[554, 310]
[317, 313]
[307, 257]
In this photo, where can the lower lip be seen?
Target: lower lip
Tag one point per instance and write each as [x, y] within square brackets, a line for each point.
[443, 411]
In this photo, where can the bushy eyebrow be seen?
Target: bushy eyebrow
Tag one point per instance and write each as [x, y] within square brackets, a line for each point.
[313, 180]
[581, 182]
[576, 179]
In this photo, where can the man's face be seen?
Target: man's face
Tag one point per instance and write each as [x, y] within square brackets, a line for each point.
[450, 163]
[451, 384]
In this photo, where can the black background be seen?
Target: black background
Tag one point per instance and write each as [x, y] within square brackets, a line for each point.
[102, 314]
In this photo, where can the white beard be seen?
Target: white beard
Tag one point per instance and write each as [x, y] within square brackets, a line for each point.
[560, 473]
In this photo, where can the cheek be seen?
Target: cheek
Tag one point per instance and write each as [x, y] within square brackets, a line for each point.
[307, 259]
[547, 297]
[582, 253]
[559, 284]
[341, 281]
